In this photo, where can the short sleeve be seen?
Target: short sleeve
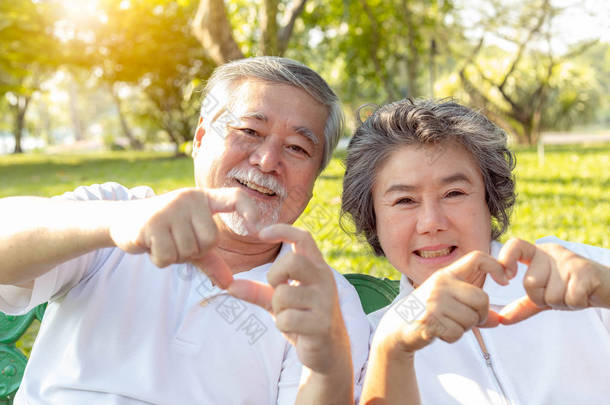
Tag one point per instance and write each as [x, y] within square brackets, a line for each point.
[59, 280]
[594, 253]
[290, 377]
[358, 328]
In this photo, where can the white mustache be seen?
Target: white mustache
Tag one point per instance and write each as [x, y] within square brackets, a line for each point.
[258, 178]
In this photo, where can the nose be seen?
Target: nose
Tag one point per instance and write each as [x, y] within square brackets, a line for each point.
[267, 155]
[431, 218]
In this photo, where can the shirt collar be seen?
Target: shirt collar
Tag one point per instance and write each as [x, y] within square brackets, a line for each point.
[259, 273]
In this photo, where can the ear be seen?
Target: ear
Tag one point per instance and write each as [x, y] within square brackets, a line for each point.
[199, 133]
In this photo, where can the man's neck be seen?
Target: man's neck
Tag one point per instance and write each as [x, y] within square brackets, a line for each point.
[241, 254]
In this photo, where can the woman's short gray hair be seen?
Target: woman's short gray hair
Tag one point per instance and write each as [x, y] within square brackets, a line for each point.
[425, 122]
[285, 71]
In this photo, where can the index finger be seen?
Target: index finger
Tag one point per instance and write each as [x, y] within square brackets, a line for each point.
[516, 250]
[520, 310]
[252, 291]
[467, 266]
[301, 241]
[294, 269]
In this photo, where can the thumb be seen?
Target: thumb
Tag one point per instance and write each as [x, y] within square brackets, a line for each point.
[520, 310]
[234, 200]
[254, 292]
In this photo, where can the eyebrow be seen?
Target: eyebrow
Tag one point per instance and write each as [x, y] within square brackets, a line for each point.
[307, 133]
[256, 115]
[304, 131]
[454, 178]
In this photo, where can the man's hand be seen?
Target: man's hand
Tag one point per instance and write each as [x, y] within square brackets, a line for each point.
[556, 278]
[302, 297]
[179, 227]
[445, 306]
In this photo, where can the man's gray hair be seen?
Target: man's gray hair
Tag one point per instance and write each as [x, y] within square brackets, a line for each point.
[290, 72]
[425, 122]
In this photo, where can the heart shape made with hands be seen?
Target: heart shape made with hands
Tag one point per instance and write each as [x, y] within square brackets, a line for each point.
[302, 244]
[301, 296]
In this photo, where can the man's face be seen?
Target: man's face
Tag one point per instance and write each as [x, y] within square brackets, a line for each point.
[271, 148]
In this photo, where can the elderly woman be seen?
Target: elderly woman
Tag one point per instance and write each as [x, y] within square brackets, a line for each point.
[429, 185]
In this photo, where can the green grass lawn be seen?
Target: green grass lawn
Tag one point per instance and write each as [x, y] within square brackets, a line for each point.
[567, 197]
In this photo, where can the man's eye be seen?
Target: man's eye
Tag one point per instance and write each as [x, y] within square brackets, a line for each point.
[298, 149]
[248, 131]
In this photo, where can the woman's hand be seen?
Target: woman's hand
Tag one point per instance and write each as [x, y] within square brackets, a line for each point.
[445, 306]
[556, 278]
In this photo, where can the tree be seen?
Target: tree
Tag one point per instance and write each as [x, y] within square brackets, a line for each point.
[375, 51]
[164, 62]
[518, 96]
[30, 52]
[212, 27]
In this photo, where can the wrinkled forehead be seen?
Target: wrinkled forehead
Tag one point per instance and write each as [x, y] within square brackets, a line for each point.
[419, 161]
[220, 97]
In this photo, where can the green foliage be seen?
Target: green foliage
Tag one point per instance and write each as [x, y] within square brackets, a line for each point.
[371, 50]
[23, 62]
[567, 197]
[572, 92]
[149, 46]
[368, 50]
[597, 59]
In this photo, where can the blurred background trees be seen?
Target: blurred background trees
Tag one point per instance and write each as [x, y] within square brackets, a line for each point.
[128, 73]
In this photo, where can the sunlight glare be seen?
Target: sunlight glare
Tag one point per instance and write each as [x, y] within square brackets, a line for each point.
[78, 9]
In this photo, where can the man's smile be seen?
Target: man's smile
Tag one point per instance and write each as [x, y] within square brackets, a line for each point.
[256, 187]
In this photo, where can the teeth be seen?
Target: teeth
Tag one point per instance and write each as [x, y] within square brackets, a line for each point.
[426, 254]
[256, 187]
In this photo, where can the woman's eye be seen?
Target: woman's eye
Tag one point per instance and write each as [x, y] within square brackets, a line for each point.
[454, 193]
[404, 201]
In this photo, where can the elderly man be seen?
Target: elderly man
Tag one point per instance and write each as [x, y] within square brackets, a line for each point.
[166, 327]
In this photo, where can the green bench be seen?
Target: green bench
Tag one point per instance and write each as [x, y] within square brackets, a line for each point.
[374, 293]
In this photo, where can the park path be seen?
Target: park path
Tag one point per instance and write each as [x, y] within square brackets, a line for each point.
[558, 138]
[548, 138]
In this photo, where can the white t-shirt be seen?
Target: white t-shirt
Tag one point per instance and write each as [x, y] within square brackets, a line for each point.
[119, 330]
[553, 358]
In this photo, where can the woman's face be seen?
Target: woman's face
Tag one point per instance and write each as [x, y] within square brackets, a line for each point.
[430, 208]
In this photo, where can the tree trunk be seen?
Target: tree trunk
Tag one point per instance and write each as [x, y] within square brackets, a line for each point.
[77, 123]
[20, 110]
[174, 138]
[134, 143]
[269, 28]
[432, 67]
[412, 54]
[535, 129]
[212, 28]
[373, 47]
[285, 33]
[46, 123]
